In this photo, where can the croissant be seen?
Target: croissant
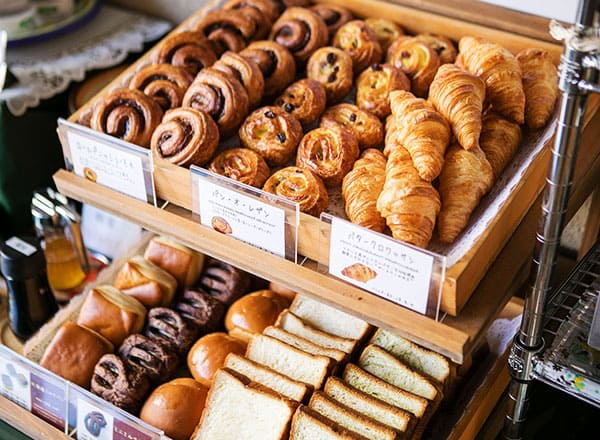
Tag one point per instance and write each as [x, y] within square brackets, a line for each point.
[361, 188]
[499, 140]
[408, 203]
[467, 176]
[459, 96]
[540, 83]
[501, 73]
[419, 128]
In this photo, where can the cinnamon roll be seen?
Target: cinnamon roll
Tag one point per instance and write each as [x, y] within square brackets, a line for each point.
[417, 59]
[273, 133]
[221, 96]
[263, 12]
[243, 165]
[386, 31]
[186, 136]
[373, 87]
[275, 62]
[329, 152]
[301, 31]
[164, 83]
[127, 114]
[334, 16]
[441, 45]
[227, 30]
[299, 185]
[188, 49]
[366, 128]
[360, 42]
[246, 72]
[305, 99]
[332, 67]
[283, 4]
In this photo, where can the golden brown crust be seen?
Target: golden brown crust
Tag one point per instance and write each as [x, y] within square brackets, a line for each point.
[273, 133]
[188, 49]
[259, 13]
[417, 59]
[329, 152]
[305, 99]
[164, 83]
[186, 136]
[268, 8]
[246, 72]
[359, 272]
[332, 67]
[275, 62]
[227, 30]
[367, 129]
[299, 185]
[386, 30]
[334, 16]
[373, 87]
[443, 46]
[243, 165]
[360, 42]
[500, 140]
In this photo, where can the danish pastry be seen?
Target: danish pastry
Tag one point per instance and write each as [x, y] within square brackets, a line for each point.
[275, 62]
[373, 87]
[305, 99]
[299, 185]
[500, 140]
[443, 46]
[246, 72]
[241, 164]
[417, 59]
[334, 16]
[268, 8]
[367, 129]
[187, 49]
[386, 30]
[164, 83]
[332, 67]
[227, 30]
[360, 42]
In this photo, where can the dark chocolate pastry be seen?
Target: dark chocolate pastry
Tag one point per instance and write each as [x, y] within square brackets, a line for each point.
[168, 327]
[143, 353]
[223, 281]
[201, 308]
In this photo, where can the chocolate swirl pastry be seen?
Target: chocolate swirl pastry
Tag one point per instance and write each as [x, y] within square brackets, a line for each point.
[223, 281]
[241, 164]
[441, 45]
[227, 30]
[168, 327]
[332, 67]
[268, 8]
[164, 83]
[127, 114]
[386, 31]
[200, 308]
[118, 384]
[329, 152]
[301, 31]
[283, 4]
[188, 49]
[334, 16]
[373, 87]
[149, 357]
[246, 72]
[417, 59]
[274, 61]
[221, 96]
[299, 185]
[273, 133]
[360, 42]
[186, 136]
[366, 128]
[305, 99]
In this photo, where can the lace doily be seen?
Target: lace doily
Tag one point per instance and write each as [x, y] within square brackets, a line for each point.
[46, 69]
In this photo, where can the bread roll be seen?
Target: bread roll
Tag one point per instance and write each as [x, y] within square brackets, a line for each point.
[180, 261]
[208, 354]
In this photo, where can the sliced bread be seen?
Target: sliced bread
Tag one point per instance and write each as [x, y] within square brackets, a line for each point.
[293, 324]
[304, 344]
[290, 388]
[307, 424]
[350, 419]
[236, 407]
[297, 364]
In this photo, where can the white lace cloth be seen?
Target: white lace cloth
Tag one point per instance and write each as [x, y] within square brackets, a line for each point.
[46, 69]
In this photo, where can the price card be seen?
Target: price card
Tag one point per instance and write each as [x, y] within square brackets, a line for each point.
[108, 161]
[49, 400]
[14, 381]
[93, 422]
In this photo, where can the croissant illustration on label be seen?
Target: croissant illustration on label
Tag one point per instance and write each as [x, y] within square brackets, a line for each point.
[359, 272]
[90, 174]
[221, 225]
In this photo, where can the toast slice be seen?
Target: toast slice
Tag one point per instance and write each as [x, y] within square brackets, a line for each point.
[307, 424]
[292, 389]
[236, 407]
[290, 361]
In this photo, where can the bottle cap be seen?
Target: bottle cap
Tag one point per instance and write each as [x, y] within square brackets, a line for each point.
[21, 258]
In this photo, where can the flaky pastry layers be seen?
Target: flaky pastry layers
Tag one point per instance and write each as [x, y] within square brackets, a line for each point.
[299, 185]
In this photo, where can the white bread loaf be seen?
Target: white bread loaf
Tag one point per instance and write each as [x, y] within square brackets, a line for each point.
[308, 424]
[304, 344]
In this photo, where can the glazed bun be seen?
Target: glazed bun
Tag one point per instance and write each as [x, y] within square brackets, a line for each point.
[208, 354]
[253, 312]
[282, 290]
[175, 407]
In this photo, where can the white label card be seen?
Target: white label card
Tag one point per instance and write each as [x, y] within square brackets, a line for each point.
[14, 383]
[92, 422]
[243, 217]
[21, 246]
[380, 265]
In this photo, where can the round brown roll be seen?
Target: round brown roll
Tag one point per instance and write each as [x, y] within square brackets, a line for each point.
[185, 137]
[208, 354]
[440, 45]
[334, 16]
[127, 114]
[386, 31]
[299, 185]
[273, 133]
[329, 152]
[164, 83]
[243, 165]
[373, 87]
[187, 49]
[268, 8]
[332, 67]
[175, 407]
[246, 72]
[366, 128]
[418, 60]
[275, 62]
[227, 30]
[360, 42]
[221, 96]
[305, 99]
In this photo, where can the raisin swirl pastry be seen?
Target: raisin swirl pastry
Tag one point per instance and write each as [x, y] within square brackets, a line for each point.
[305, 99]
[148, 356]
[188, 49]
[164, 83]
[275, 62]
[360, 42]
[241, 164]
[334, 16]
[168, 327]
[200, 308]
[246, 72]
[366, 128]
[386, 31]
[373, 87]
[417, 59]
[441, 45]
[299, 185]
[227, 30]
[332, 67]
[329, 152]
[127, 114]
[301, 31]
[221, 96]
[186, 136]
[273, 133]
[223, 281]
[262, 12]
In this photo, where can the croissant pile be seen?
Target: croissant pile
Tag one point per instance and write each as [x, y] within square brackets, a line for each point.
[414, 129]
